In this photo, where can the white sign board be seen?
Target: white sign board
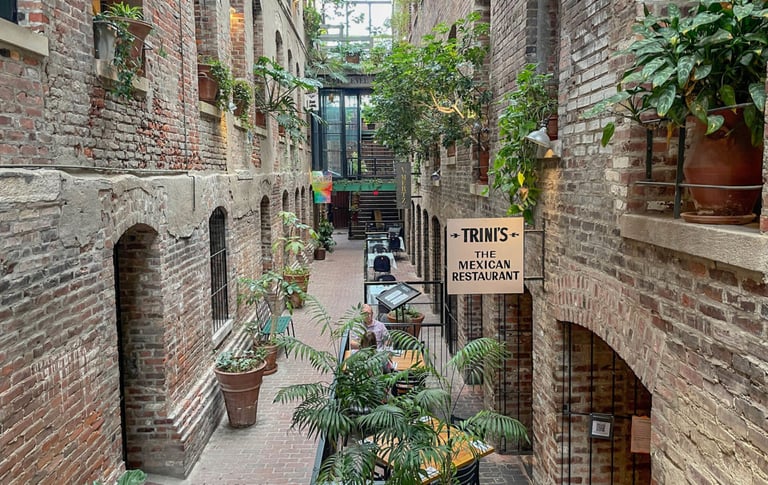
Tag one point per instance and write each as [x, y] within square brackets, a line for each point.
[485, 256]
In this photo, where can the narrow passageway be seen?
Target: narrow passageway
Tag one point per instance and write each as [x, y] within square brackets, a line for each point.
[269, 453]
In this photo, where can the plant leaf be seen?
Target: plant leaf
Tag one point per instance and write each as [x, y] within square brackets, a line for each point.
[666, 99]
[608, 131]
[714, 122]
[728, 95]
[757, 91]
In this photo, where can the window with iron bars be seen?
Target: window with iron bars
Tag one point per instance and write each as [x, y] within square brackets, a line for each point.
[219, 289]
[8, 10]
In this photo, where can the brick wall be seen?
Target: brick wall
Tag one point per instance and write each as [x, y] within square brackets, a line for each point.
[689, 327]
[140, 177]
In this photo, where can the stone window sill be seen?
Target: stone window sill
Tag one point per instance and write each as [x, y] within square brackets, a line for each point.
[104, 70]
[209, 110]
[23, 38]
[479, 189]
[740, 246]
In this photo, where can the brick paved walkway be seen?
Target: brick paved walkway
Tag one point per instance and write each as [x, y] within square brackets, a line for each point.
[268, 453]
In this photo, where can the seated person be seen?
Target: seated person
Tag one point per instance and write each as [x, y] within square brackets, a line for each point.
[377, 328]
[368, 340]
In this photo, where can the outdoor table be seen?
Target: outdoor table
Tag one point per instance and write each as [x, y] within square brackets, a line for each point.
[401, 359]
[464, 451]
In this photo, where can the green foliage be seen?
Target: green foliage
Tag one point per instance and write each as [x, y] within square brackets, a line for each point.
[223, 76]
[242, 96]
[125, 64]
[244, 361]
[690, 64]
[277, 98]
[325, 235]
[353, 402]
[129, 477]
[272, 285]
[422, 93]
[514, 168]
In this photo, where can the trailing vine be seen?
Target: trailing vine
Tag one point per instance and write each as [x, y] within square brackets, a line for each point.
[514, 168]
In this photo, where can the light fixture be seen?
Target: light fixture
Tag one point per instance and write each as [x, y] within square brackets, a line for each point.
[539, 137]
[547, 148]
[435, 175]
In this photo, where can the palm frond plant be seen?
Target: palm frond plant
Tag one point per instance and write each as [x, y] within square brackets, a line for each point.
[351, 403]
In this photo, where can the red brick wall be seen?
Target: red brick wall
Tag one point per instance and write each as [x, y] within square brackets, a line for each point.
[118, 172]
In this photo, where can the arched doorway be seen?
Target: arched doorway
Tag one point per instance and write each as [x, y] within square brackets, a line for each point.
[600, 397]
[140, 342]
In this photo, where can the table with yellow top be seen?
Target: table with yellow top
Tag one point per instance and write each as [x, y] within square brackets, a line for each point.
[465, 450]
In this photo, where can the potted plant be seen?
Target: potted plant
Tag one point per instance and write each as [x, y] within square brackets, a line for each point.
[407, 314]
[324, 241]
[240, 376]
[119, 32]
[214, 82]
[291, 248]
[277, 99]
[515, 166]
[242, 97]
[705, 69]
[356, 403]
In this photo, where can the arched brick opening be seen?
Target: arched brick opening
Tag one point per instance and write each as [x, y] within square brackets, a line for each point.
[511, 321]
[600, 396]
[141, 349]
[424, 254]
[265, 229]
[417, 239]
[437, 262]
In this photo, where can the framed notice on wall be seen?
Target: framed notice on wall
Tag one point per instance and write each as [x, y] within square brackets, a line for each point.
[641, 435]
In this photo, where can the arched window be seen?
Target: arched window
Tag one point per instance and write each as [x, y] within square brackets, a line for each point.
[219, 291]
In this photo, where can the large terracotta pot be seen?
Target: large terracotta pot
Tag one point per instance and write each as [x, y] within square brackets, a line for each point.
[241, 395]
[412, 325]
[726, 157]
[271, 359]
[207, 84]
[302, 280]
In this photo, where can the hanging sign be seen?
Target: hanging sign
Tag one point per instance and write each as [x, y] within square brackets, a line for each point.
[403, 184]
[485, 256]
[322, 186]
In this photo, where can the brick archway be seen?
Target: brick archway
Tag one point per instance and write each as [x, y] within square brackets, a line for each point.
[140, 345]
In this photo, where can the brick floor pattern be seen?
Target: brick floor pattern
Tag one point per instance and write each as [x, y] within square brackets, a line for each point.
[270, 453]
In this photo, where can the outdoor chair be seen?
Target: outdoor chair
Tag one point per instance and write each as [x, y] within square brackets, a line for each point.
[381, 264]
[264, 319]
[386, 277]
[394, 245]
[469, 474]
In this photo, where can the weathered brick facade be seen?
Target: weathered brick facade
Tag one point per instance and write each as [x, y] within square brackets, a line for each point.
[105, 276]
[637, 313]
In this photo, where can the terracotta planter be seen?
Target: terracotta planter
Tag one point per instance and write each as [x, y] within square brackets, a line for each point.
[302, 280]
[725, 157]
[139, 30]
[208, 86]
[241, 395]
[260, 118]
[271, 359]
[412, 325]
[484, 160]
[319, 254]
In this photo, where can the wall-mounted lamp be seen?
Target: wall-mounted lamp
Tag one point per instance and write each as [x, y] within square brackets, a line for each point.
[547, 149]
[435, 175]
